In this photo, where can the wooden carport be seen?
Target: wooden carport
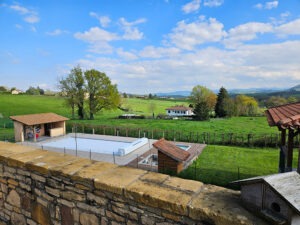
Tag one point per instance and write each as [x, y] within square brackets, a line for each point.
[286, 117]
[32, 126]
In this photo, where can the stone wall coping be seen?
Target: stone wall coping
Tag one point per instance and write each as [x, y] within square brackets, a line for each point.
[189, 198]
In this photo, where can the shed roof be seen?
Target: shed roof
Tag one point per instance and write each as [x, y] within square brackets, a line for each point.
[179, 107]
[284, 116]
[171, 150]
[41, 118]
[287, 185]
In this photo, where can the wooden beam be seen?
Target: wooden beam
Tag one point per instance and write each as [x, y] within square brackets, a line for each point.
[298, 169]
[283, 137]
[289, 165]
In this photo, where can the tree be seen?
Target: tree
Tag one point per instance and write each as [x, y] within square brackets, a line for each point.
[102, 94]
[245, 105]
[275, 101]
[73, 88]
[220, 108]
[152, 107]
[201, 111]
[202, 94]
[3, 89]
[32, 91]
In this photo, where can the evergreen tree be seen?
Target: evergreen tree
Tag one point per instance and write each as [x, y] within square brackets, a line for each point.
[201, 111]
[220, 108]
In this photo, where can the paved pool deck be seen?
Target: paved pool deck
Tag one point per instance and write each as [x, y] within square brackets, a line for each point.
[130, 159]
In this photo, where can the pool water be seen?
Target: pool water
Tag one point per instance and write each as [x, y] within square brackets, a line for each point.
[184, 147]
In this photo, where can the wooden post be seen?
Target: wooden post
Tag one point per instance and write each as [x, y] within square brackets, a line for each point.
[298, 169]
[289, 164]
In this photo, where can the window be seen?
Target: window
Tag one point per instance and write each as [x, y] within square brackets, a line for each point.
[275, 207]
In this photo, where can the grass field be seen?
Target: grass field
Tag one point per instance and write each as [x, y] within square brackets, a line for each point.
[222, 164]
[217, 164]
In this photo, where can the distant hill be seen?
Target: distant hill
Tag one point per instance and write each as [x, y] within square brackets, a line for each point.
[175, 94]
[255, 92]
[296, 88]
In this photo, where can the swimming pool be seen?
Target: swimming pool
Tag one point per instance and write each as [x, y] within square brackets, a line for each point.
[183, 147]
[112, 147]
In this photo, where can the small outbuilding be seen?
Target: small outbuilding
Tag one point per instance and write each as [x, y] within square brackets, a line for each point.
[33, 126]
[171, 158]
[275, 197]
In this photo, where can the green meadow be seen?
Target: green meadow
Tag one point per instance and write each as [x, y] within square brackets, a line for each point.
[25, 104]
[217, 164]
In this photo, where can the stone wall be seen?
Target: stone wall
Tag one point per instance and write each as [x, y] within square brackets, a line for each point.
[42, 187]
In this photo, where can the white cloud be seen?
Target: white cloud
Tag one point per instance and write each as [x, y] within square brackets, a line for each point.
[192, 6]
[261, 65]
[98, 39]
[56, 32]
[132, 32]
[213, 3]
[271, 5]
[32, 19]
[290, 28]
[267, 5]
[188, 35]
[246, 32]
[96, 34]
[126, 55]
[18, 26]
[159, 52]
[30, 16]
[103, 20]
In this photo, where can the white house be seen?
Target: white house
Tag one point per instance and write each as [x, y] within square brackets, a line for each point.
[16, 92]
[179, 110]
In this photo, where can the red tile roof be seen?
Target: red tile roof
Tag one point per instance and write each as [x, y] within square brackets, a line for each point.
[179, 107]
[284, 116]
[171, 150]
[41, 118]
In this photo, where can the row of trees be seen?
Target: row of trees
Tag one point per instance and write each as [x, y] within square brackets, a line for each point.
[204, 102]
[91, 87]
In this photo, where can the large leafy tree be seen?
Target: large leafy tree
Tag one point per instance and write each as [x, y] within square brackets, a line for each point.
[73, 88]
[205, 98]
[102, 94]
[220, 107]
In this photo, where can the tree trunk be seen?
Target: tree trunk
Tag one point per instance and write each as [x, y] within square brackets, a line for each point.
[91, 116]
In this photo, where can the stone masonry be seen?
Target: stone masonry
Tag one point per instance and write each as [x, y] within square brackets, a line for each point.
[42, 187]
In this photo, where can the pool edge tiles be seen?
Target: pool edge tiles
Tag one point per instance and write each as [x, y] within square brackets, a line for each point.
[109, 146]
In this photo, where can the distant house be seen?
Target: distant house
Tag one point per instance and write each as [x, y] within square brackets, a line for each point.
[16, 92]
[171, 158]
[179, 110]
[33, 126]
[275, 197]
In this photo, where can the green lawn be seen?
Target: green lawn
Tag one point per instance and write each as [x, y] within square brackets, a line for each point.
[217, 128]
[222, 164]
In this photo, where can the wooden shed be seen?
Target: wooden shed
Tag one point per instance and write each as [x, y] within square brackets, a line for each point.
[170, 157]
[33, 126]
[286, 118]
[275, 197]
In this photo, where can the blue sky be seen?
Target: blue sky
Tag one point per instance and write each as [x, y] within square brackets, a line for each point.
[152, 46]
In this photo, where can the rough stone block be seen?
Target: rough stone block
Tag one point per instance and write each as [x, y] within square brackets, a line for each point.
[88, 219]
[66, 215]
[115, 217]
[40, 214]
[52, 191]
[14, 199]
[17, 219]
[72, 196]
[98, 200]
[38, 178]
[159, 197]
[115, 180]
